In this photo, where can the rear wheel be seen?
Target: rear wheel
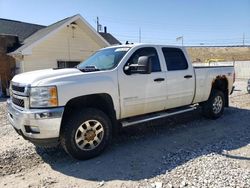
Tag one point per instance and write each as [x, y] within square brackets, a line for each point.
[86, 134]
[214, 107]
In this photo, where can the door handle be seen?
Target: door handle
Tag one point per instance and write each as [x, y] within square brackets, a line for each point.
[188, 76]
[159, 79]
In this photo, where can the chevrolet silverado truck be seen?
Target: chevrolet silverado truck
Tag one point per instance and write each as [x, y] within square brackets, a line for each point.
[80, 108]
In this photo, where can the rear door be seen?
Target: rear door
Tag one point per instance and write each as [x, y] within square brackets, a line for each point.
[142, 93]
[180, 78]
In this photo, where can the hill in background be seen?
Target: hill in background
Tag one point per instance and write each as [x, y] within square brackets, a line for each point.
[201, 54]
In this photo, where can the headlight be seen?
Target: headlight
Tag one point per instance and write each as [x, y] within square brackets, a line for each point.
[43, 97]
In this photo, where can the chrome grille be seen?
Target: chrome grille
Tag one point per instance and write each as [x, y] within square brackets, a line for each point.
[18, 88]
[18, 102]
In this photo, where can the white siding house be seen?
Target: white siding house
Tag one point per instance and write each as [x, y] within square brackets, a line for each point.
[62, 44]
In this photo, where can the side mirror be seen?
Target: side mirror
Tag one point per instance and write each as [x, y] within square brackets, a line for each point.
[143, 66]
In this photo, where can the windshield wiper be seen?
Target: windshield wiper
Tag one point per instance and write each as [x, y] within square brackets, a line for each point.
[89, 68]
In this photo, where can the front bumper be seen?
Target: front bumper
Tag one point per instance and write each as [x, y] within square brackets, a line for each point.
[36, 125]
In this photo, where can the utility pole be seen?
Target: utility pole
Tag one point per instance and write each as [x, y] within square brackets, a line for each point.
[139, 35]
[97, 24]
[243, 40]
[180, 38]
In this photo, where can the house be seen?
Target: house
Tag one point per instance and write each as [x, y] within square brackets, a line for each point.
[7, 63]
[12, 34]
[61, 44]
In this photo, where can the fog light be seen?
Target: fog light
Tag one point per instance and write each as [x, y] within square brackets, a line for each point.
[32, 129]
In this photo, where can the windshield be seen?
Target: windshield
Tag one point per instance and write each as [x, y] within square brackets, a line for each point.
[105, 59]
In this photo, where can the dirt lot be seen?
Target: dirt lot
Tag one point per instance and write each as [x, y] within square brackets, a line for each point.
[182, 151]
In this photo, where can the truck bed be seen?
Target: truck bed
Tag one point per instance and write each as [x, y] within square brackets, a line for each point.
[205, 75]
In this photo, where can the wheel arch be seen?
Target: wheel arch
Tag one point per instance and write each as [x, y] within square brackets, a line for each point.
[221, 83]
[101, 101]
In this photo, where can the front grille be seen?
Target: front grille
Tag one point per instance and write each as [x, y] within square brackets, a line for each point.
[18, 102]
[18, 88]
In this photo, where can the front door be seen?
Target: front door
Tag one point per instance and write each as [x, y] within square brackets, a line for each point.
[142, 93]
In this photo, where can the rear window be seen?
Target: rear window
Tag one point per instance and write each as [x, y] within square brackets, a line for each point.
[175, 59]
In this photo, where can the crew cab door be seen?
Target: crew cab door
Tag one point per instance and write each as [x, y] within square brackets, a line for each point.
[142, 93]
[180, 78]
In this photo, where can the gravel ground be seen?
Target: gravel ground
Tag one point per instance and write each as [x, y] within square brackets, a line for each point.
[182, 151]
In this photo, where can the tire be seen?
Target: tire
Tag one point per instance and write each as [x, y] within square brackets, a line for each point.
[213, 108]
[86, 134]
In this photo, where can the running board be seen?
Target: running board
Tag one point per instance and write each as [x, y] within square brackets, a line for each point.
[143, 119]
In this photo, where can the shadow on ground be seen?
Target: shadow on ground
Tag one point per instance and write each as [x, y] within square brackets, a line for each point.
[3, 99]
[145, 151]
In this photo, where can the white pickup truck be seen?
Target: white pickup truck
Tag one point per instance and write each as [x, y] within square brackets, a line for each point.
[80, 108]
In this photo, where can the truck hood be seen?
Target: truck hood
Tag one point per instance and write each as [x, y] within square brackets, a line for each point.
[34, 77]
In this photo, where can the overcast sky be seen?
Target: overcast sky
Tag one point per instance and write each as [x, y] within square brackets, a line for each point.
[200, 22]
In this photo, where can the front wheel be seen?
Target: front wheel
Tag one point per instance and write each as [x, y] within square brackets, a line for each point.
[86, 134]
[213, 108]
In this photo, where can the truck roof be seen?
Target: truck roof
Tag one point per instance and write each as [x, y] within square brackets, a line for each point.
[144, 45]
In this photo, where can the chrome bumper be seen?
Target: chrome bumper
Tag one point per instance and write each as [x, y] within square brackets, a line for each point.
[35, 124]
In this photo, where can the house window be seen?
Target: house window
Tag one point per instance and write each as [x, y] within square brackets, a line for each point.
[67, 64]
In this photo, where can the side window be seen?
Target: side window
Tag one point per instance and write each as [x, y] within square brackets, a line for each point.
[175, 59]
[151, 53]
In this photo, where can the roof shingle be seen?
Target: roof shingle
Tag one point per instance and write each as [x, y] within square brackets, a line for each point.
[21, 29]
[110, 38]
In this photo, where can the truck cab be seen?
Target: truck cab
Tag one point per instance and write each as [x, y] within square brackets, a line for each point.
[162, 88]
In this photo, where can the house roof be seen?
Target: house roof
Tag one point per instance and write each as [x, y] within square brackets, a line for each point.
[110, 38]
[43, 33]
[31, 34]
[21, 29]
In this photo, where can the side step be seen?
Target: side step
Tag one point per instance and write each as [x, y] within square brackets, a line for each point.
[150, 117]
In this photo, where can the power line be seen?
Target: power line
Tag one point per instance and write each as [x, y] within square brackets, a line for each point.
[193, 40]
[147, 21]
[188, 42]
[136, 36]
